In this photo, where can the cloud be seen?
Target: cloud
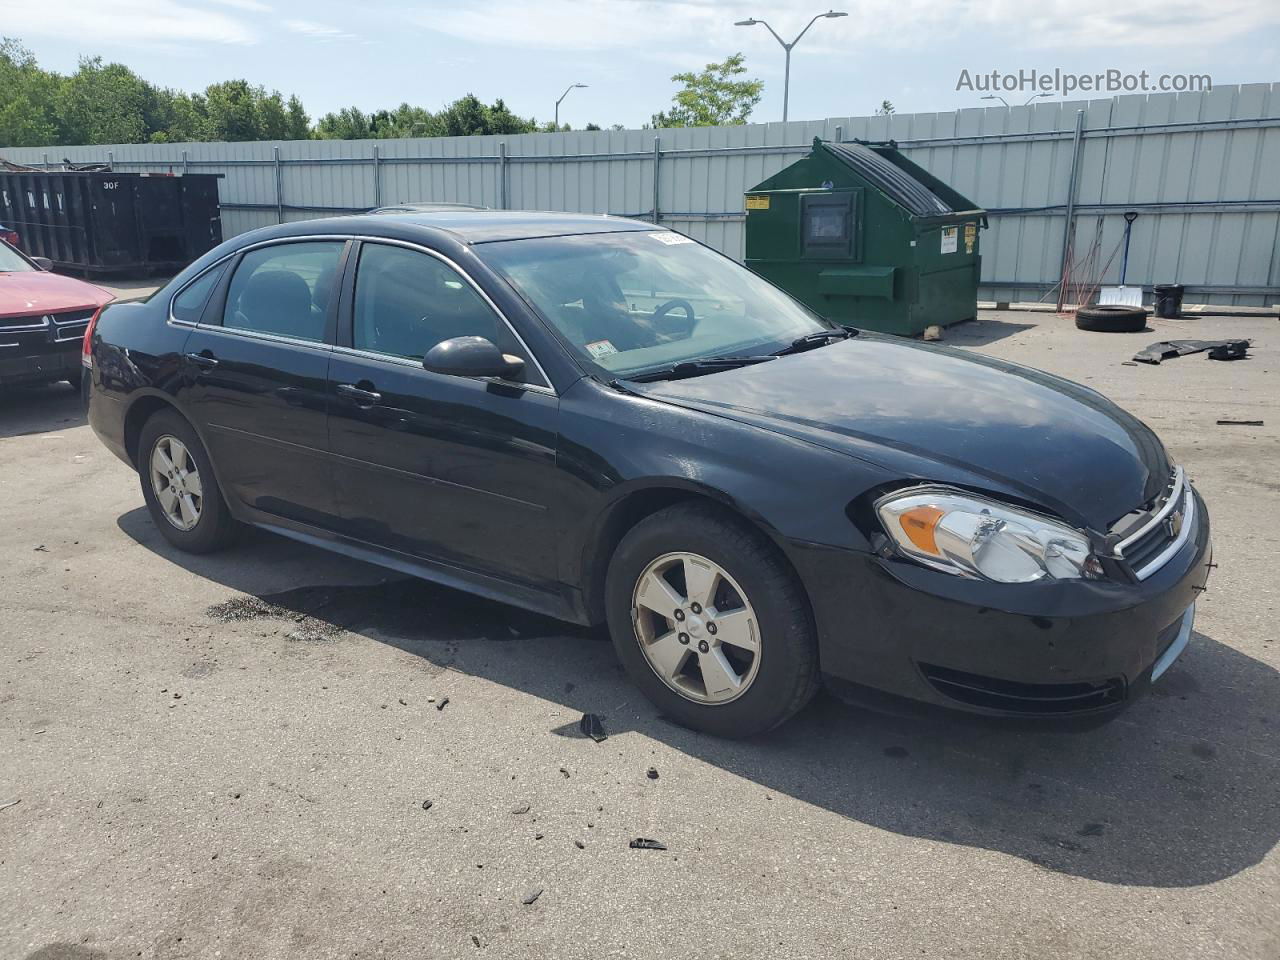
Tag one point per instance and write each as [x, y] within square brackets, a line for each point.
[252, 6]
[657, 27]
[318, 31]
[127, 22]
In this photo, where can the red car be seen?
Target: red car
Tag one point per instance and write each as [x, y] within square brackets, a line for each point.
[43, 318]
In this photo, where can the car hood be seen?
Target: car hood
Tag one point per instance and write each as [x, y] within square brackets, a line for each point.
[25, 292]
[944, 415]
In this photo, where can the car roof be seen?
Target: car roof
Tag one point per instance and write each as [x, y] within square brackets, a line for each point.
[426, 206]
[467, 226]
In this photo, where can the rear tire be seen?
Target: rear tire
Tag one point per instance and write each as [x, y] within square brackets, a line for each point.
[179, 486]
[756, 677]
[1112, 319]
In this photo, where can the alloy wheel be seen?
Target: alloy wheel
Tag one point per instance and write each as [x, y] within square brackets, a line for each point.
[696, 628]
[175, 480]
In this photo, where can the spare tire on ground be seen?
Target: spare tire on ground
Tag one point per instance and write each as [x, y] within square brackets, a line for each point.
[1111, 318]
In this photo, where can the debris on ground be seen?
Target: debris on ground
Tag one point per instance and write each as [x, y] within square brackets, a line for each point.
[11, 803]
[42, 549]
[520, 810]
[564, 773]
[531, 896]
[1240, 423]
[403, 702]
[579, 844]
[933, 332]
[427, 804]
[1218, 350]
[592, 725]
[644, 843]
[652, 773]
[444, 702]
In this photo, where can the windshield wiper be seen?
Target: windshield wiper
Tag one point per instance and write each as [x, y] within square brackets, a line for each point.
[695, 368]
[819, 339]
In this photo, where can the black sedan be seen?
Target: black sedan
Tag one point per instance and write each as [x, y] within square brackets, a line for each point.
[604, 421]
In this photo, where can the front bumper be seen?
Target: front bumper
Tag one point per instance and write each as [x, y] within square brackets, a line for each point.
[1052, 649]
[43, 365]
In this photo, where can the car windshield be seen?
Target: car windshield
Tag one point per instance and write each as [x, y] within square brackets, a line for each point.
[640, 301]
[11, 261]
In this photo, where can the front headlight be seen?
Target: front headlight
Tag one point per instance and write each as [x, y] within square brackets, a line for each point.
[970, 536]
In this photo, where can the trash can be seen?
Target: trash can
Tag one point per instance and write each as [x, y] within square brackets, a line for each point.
[863, 236]
[1168, 300]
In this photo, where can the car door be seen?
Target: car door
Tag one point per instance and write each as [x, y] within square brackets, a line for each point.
[456, 469]
[256, 366]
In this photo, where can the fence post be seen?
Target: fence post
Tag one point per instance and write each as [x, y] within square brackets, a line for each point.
[1068, 226]
[111, 161]
[839, 133]
[503, 174]
[279, 189]
[657, 164]
[377, 177]
[184, 163]
[46, 161]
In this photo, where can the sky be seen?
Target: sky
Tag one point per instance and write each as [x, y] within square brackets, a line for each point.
[378, 53]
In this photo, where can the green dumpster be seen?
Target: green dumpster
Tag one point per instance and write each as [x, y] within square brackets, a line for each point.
[865, 237]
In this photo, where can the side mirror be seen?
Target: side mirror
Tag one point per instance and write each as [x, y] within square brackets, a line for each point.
[472, 357]
[44, 263]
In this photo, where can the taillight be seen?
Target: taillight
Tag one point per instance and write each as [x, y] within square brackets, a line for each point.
[86, 347]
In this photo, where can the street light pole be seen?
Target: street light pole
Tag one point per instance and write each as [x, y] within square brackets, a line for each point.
[562, 96]
[786, 75]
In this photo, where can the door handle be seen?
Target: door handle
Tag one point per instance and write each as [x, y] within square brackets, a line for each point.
[203, 360]
[358, 396]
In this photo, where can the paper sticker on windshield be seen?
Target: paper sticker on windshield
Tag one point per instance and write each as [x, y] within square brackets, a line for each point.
[670, 239]
[599, 349]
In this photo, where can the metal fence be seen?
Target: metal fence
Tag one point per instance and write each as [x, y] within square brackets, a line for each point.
[1202, 170]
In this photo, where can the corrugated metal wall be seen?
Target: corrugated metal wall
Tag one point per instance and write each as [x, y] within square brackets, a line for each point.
[1201, 169]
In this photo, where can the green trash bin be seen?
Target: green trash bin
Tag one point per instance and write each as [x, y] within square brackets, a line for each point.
[865, 237]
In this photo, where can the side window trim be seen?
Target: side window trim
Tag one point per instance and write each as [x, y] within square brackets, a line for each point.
[215, 308]
[345, 341]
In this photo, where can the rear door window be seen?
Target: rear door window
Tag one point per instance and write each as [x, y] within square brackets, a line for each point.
[188, 305]
[284, 290]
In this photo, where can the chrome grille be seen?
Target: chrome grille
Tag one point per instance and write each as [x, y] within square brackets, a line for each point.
[1151, 542]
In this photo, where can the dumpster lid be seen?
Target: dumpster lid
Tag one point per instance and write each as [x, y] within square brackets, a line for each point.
[878, 168]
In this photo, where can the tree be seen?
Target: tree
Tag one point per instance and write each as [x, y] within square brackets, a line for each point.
[885, 109]
[27, 112]
[713, 97]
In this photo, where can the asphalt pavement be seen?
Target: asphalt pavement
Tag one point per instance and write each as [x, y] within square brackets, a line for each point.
[250, 754]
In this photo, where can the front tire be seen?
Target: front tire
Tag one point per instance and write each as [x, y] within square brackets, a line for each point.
[179, 486]
[710, 621]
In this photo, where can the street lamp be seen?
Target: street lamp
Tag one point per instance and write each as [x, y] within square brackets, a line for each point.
[1036, 96]
[786, 82]
[992, 96]
[562, 96]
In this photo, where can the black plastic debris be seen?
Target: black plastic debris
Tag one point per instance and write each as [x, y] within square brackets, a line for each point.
[564, 773]
[1230, 350]
[579, 844]
[643, 843]
[531, 896]
[427, 804]
[1240, 423]
[1218, 350]
[592, 725]
[652, 773]
[444, 702]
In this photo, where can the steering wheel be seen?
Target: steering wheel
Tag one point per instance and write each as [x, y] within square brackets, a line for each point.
[674, 327]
